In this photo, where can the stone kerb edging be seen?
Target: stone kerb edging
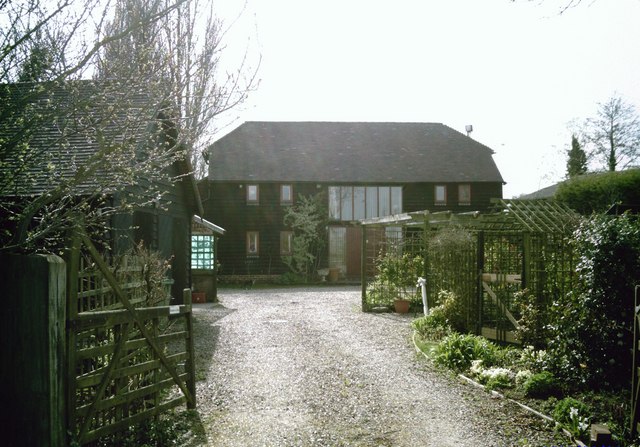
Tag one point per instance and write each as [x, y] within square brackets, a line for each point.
[494, 393]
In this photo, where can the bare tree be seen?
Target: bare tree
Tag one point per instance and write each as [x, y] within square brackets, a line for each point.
[128, 135]
[180, 56]
[613, 135]
[566, 5]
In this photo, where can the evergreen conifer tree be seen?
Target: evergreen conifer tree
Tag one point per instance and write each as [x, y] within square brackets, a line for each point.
[577, 159]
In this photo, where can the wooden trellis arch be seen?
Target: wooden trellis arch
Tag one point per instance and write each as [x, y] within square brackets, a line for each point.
[534, 233]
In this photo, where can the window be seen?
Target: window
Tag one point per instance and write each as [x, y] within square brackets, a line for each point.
[372, 201]
[464, 194]
[346, 196]
[384, 197]
[360, 202]
[253, 241]
[286, 195]
[396, 200]
[440, 195]
[286, 243]
[334, 202]
[253, 195]
[202, 256]
[338, 248]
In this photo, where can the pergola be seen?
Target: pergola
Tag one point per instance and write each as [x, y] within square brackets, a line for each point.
[519, 244]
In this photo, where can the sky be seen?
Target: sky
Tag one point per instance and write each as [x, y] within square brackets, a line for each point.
[518, 72]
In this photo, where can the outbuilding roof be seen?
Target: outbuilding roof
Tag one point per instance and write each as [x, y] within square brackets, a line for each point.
[350, 152]
[50, 132]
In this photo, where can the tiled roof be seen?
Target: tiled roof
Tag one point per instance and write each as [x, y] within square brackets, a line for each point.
[48, 132]
[350, 152]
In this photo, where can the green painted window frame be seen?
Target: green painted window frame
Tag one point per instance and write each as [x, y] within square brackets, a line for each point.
[202, 252]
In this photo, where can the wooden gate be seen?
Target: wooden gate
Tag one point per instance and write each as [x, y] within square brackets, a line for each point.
[503, 324]
[126, 362]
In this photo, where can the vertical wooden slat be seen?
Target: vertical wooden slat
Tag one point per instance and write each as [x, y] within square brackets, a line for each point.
[73, 267]
[191, 364]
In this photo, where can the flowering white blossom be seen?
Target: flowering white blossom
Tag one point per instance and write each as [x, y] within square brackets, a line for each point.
[523, 376]
[493, 373]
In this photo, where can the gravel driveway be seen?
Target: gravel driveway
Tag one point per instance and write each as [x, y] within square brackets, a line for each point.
[305, 367]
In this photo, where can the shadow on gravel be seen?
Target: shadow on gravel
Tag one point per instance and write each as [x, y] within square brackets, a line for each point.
[191, 428]
[206, 334]
[396, 317]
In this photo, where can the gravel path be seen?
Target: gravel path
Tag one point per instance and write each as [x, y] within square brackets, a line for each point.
[304, 367]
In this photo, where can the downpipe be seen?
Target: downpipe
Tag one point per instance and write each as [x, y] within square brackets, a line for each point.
[422, 282]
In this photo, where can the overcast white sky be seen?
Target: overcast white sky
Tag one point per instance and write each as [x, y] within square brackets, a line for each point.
[518, 72]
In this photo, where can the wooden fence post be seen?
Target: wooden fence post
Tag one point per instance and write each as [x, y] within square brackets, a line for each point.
[190, 363]
[32, 334]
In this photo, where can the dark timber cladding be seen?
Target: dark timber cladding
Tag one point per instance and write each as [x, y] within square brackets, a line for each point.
[434, 166]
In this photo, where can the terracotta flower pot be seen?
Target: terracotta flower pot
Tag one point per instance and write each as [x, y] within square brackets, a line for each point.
[198, 297]
[401, 306]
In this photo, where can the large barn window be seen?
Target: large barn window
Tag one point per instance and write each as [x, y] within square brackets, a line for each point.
[359, 202]
[202, 252]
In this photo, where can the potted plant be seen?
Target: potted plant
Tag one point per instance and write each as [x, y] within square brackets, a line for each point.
[400, 272]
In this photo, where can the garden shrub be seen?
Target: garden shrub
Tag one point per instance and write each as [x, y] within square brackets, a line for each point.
[398, 273]
[456, 351]
[451, 259]
[592, 325]
[572, 415]
[597, 192]
[541, 385]
[308, 220]
[498, 378]
[451, 310]
[492, 378]
[380, 294]
[291, 278]
[522, 376]
[431, 327]
[533, 359]
[532, 330]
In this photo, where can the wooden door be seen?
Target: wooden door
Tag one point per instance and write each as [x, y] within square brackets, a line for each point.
[354, 252]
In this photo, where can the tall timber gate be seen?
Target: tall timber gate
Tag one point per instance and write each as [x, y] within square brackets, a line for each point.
[128, 359]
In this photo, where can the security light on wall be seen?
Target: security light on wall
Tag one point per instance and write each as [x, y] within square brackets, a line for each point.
[469, 129]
